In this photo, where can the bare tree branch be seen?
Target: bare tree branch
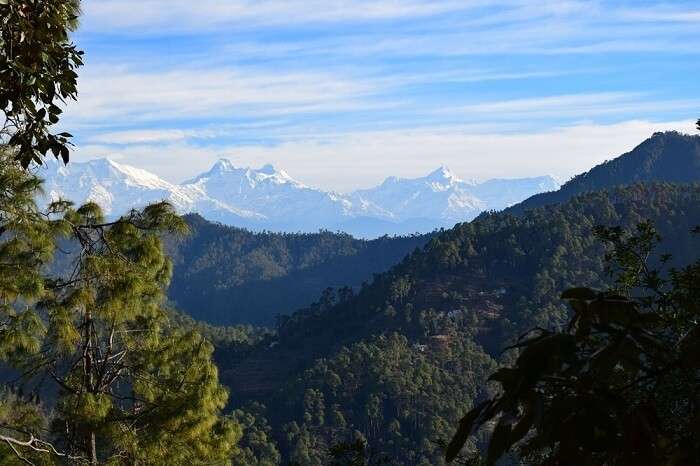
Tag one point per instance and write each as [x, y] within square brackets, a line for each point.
[34, 444]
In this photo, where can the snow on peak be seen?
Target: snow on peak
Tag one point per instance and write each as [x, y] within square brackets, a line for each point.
[138, 177]
[268, 198]
[116, 187]
[224, 172]
[106, 170]
[443, 178]
[443, 173]
[270, 174]
[223, 166]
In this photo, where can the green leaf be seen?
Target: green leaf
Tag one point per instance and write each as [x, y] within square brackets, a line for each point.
[65, 155]
[463, 432]
[526, 420]
[500, 442]
[505, 376]
[580, 294]
[690, 349]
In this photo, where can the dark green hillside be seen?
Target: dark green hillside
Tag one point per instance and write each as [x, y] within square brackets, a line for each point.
[670, 157]
[225, 275]
[398, 362]
[500, 260]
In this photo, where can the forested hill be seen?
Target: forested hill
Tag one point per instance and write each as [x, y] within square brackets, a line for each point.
[399, 362]
[670, 156]
[225, 275]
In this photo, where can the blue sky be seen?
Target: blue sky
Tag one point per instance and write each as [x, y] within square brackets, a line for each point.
[342, 93]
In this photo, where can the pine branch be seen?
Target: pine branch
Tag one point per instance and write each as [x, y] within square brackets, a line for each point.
[36, 445]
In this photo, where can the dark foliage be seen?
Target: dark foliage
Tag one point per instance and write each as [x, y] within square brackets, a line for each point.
[401, 361]
[225, 275]
[220, 337]
[619, 385]
[37, 75]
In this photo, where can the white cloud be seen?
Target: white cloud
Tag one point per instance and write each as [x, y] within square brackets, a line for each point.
[550, 103]
[116, 96]
[576, 106]
[110, 93]
[663, 12]
[447, 27]
[141, 136]
[187, 15]
[317, 80]
[545, 34]
[349, 161]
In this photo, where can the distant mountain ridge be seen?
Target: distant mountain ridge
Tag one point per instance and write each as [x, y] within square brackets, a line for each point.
[664, 157]
[270, 199]
[226, 275]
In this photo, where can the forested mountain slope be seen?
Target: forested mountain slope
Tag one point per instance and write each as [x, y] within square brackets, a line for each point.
[399, 362]
[225, 275]
[669, 156]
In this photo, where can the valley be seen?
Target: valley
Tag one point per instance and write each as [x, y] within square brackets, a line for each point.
[312, 233]
[356, 359]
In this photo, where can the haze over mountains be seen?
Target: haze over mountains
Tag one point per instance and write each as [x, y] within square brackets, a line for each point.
[270, 199]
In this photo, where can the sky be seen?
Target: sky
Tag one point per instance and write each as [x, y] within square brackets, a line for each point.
[344, 93]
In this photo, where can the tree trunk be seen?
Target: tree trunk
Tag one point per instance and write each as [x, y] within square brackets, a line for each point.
[88, 379]
[93, 450]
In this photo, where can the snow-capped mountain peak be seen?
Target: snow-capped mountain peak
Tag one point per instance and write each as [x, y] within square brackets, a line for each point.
[442, 174]
[97, 180]
[271, 174]
[102, 170]
[439, 195]
[135, 176]
[222, 167]
[117, 188]
[269, 198]
[224, 171]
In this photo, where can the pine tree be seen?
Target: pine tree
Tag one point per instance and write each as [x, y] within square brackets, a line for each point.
[15, 412]
[26, 245]
[133, 390]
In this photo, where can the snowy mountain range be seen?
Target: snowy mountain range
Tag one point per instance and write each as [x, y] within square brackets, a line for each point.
[267, 198]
